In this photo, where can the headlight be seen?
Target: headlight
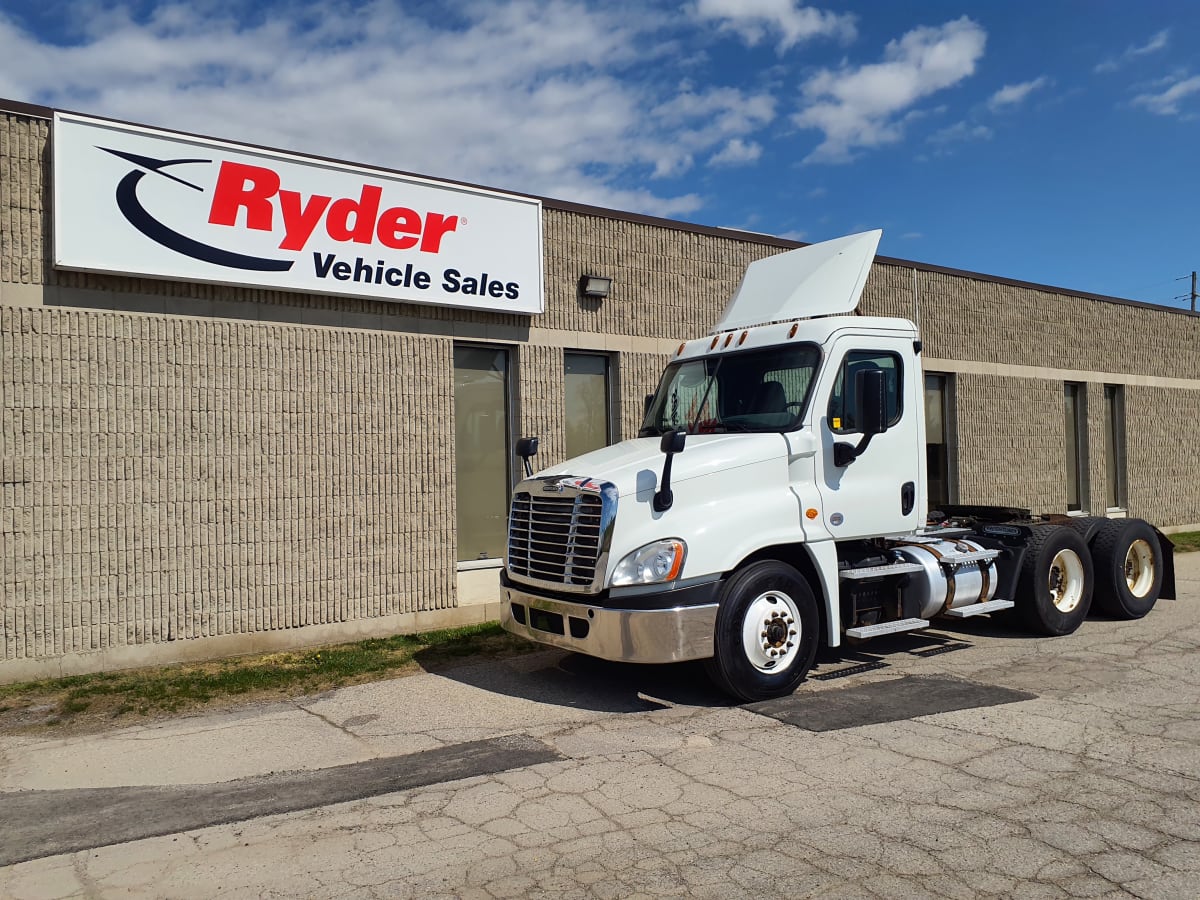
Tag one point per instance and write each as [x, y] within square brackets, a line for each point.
[651, 564]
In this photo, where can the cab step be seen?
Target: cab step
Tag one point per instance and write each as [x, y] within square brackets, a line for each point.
[900, 568]
[881, 628]
[979, 609]
[962, 559]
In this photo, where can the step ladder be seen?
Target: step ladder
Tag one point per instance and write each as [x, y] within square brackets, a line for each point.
[869, 631]
[979, 609]
[896, 568]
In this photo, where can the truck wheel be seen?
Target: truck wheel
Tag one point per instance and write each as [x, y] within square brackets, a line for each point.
[1129, 570]
[1086, 525]
[766, 633]
[1054, 589]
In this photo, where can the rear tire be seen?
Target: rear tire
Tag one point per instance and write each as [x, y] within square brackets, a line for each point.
[766, 633]
[1055, 585]
[1129, 571]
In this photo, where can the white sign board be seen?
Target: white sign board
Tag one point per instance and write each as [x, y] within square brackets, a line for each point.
[137, 201]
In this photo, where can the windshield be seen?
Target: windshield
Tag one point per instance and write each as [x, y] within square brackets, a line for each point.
[754, 390]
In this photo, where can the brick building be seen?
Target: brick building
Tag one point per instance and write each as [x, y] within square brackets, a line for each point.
[190, 469]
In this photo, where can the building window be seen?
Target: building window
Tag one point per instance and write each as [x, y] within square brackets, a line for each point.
[938, 433]
[587, 419]
[1076, 434]
[1114, 445]
[843, 416]
[482, 453]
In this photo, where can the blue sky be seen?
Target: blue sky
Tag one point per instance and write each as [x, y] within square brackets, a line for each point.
[1050, 142]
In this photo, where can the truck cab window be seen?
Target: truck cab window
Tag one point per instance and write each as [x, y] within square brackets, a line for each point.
[842, 413]
[751, 390]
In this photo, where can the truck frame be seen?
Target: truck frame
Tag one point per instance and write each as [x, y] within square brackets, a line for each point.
[777, 497]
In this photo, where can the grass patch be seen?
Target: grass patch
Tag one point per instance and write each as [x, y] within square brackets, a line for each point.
[106, 696]
[1185, 541]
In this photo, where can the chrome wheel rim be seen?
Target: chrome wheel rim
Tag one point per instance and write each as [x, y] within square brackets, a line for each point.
[1139, 568]
[771, 631]
[1065, 580]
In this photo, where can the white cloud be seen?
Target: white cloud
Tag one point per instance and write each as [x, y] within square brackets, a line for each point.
[526, 95]
[736, 153]
[1166, 103]
[959, 132]
[1157, 42]
[865, 106]
[753, 20]
[1014, 94]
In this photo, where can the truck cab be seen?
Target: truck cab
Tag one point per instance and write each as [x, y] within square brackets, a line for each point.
[775, 497]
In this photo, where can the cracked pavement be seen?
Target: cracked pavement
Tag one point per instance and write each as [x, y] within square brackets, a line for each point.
[654, 786]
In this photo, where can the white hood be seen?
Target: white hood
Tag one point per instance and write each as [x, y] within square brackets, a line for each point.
[635, 466]
[823, 279]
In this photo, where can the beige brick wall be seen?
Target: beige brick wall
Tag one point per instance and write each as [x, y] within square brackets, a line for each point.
[1011, 443]
[167, 479]
[1162, 437]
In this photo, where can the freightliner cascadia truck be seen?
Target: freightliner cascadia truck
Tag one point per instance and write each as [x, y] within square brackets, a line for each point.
[776, 496]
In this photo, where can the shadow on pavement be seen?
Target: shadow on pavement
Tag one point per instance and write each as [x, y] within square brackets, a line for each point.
[582, 682]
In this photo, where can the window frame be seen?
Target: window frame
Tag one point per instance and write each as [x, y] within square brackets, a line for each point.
[839, 377]
[609, 395]
[512, 467]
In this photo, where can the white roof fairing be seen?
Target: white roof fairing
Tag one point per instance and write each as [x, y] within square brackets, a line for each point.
[824, 279]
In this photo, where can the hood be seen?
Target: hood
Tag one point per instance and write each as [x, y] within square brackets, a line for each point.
[823, 279]
[636, 465]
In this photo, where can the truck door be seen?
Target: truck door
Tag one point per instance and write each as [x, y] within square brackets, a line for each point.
[882, 491]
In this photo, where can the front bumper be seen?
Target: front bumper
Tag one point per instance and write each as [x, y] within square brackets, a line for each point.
[678, 626]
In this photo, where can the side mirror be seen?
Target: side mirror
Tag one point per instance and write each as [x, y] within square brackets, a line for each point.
[672, 442]
[870, 390]
[527, 447]
[870, 398]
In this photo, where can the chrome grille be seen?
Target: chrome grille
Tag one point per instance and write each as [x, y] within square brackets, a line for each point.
[557, 538]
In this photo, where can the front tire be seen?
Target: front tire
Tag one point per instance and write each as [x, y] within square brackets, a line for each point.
[766, 633]
[1129, 571]
[1054, 589]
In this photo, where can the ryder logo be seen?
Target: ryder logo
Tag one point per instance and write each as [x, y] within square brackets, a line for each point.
[251, 189]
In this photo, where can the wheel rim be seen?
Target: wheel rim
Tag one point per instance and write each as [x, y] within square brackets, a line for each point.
[771, 631]
[1139, 568]
[1066, 580]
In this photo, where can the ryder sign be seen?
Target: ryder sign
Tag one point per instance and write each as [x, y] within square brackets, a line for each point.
[137, 201]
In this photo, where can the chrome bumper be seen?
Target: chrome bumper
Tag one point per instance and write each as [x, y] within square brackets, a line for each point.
[622, 635]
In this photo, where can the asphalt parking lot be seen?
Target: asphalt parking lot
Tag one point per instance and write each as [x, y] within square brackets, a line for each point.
[963, 762]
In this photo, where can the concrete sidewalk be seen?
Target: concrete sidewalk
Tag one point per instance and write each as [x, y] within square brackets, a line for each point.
[643, 781]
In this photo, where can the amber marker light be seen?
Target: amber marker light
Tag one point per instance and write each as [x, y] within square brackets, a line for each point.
[713, 345]
[742, 339]
[792, 333]
[728, 338]
[680, 350]
[678, 564]
[811, 513]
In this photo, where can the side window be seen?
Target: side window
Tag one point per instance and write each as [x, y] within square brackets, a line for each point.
[842, 412]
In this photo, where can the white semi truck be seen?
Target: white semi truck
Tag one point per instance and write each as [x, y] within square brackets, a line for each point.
[776, 496]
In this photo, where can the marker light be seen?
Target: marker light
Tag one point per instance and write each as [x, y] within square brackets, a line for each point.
[680, 350]
[653, 563]
[713, 345]
[742, 339]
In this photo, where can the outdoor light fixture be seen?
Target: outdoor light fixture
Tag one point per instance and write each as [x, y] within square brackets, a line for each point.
[595, 287]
